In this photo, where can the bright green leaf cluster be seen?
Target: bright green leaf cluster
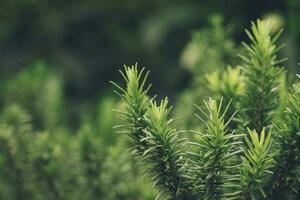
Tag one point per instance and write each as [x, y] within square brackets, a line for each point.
[229, 84]
[256, 165]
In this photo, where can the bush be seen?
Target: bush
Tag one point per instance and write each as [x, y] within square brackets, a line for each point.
[42, 158]
[249, 155]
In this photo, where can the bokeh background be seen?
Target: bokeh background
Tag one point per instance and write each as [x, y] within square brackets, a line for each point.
[85, 42]
[57, 57]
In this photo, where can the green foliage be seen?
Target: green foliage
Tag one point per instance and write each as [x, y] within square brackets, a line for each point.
[256, 165]
[41, 158]
[254, 156]
[228, 84]
[206, 56]
[39, 91]
[164, 145]
[260, 66]
[106, 170]
[50, 162]
[105, 119]
[209, 49]
[209, 172]
[214, 157]
[137, 102]
[92, 157]
[15, 132]
[147, 124]
[286, 179]
[125, 176]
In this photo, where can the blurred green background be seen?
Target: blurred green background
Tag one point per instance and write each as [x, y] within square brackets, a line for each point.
[85, 42]
[56, 60]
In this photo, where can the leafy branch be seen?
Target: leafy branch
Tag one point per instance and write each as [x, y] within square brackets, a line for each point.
[154, 140]
[260, 67]
[256, 165]
[215, 158]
